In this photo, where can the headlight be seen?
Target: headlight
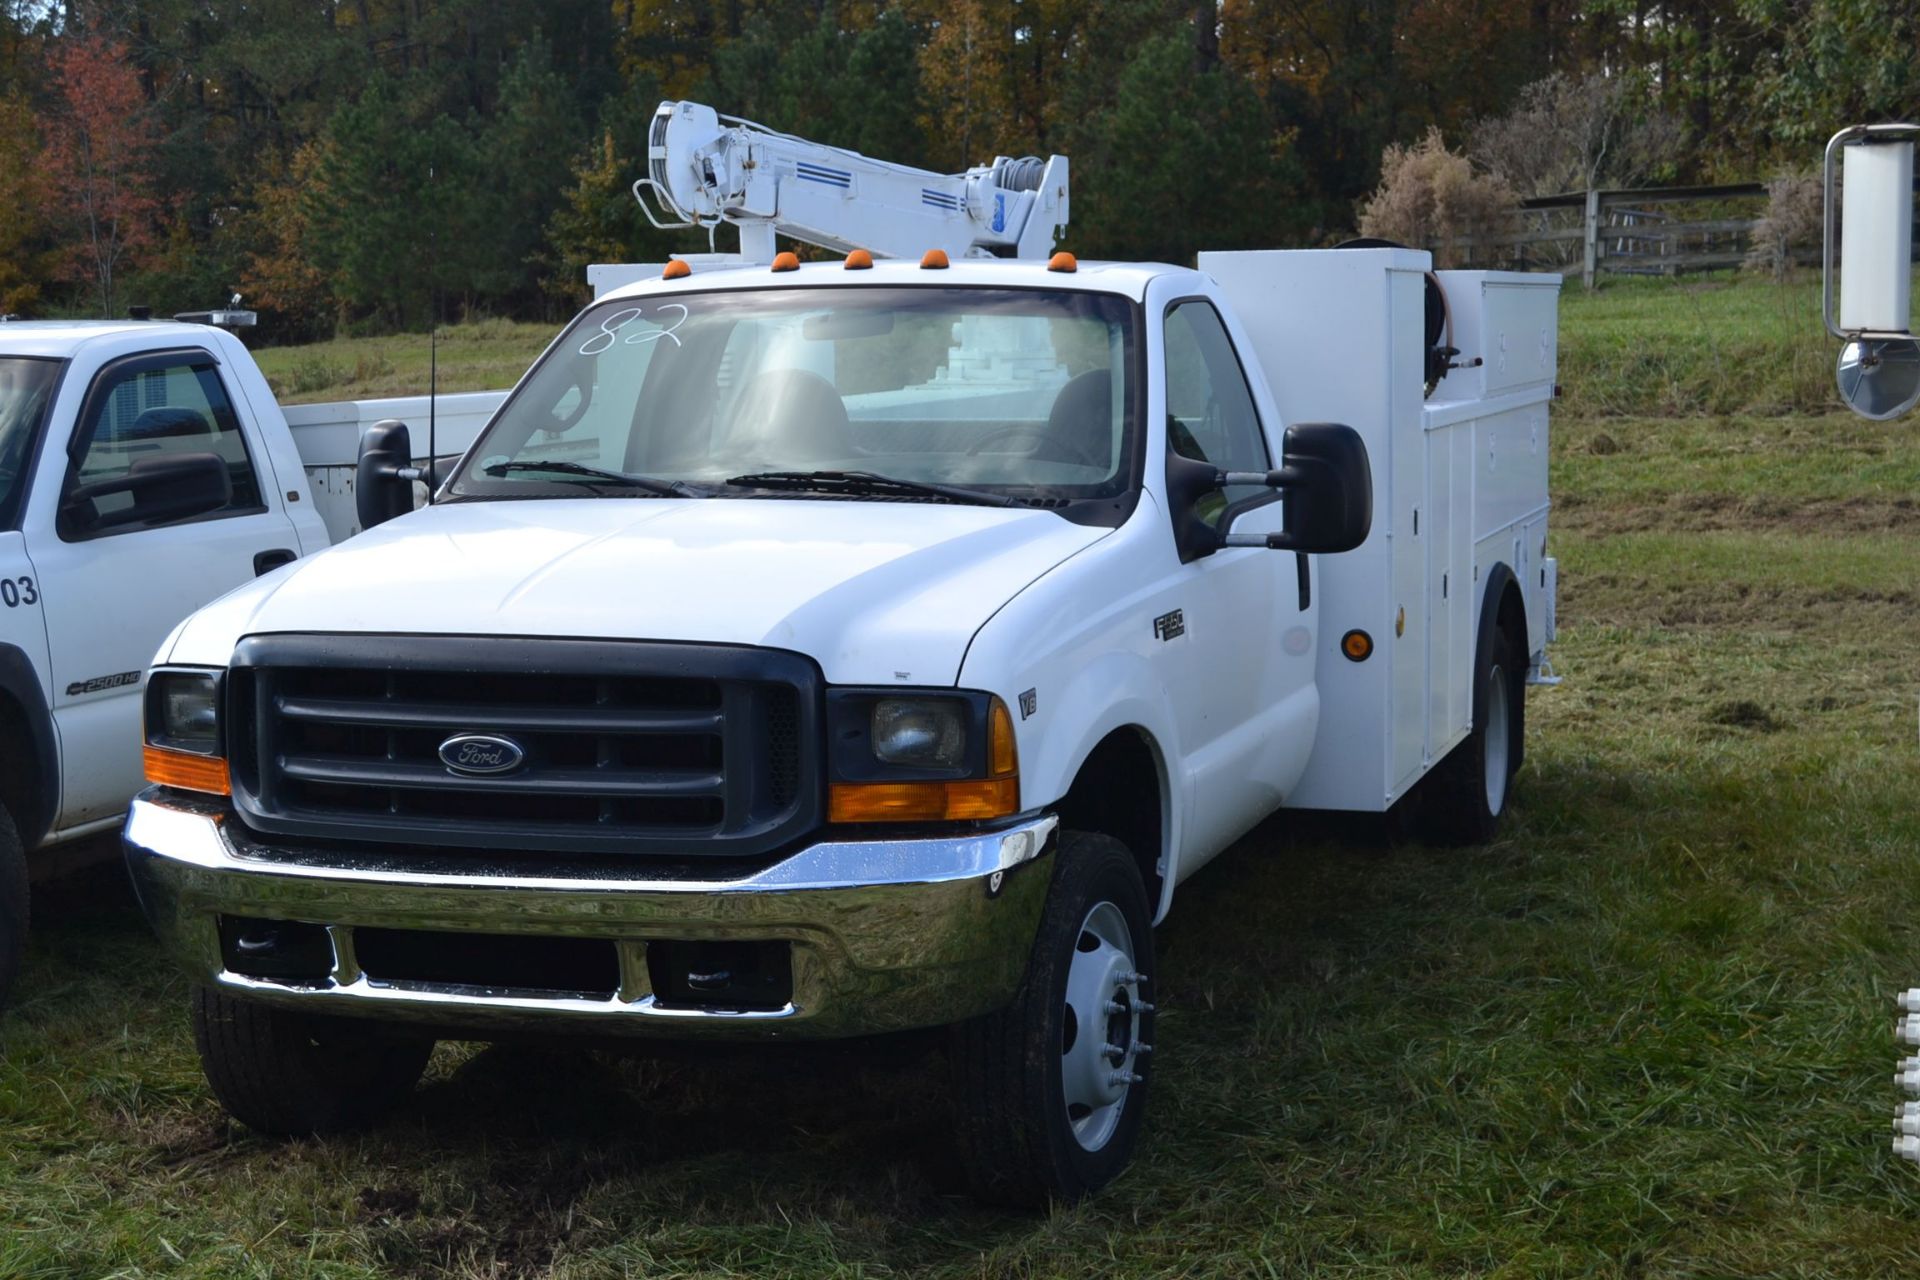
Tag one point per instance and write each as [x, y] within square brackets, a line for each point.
[184, 747]
[920, 731]
[937, 755]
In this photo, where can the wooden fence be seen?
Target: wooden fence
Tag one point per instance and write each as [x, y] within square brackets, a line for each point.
[1637, 231]
[1630, 232]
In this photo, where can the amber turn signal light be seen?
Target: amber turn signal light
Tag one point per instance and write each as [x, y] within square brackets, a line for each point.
[1357, 645]
[923, 801]
[187, 771]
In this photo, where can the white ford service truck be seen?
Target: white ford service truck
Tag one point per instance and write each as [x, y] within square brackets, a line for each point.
[846, 648]
[145, 469]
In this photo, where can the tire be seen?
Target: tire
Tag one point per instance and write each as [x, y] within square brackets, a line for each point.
[13, 904]
[1467, 793]
[1016, 1070]
[283, 1072]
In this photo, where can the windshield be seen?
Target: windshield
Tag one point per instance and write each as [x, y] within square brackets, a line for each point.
[25, 387]
[1022, 392]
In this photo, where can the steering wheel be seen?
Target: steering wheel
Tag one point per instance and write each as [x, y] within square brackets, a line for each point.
[1050, 446]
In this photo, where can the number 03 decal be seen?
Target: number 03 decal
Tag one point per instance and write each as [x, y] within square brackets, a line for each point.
[15, 592]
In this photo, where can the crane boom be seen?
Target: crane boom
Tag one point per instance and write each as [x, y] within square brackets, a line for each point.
[705, 169]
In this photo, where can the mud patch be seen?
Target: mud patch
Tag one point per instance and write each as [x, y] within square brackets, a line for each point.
[389, 1202]
[1744, 713]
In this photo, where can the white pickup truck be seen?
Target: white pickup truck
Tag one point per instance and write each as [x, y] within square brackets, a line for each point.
[145, 469]
[832, 649]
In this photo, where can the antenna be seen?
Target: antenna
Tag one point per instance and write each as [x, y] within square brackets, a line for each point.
[433, 348]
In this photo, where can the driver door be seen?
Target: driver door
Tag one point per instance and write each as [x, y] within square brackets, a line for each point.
[1244, 696]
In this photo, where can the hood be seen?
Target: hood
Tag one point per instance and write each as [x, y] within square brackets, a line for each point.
[875, 592]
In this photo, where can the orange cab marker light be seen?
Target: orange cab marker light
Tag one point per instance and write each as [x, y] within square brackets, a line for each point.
[675, 269]
[859, 260]
[1357, 645]
[186, 770]
[1063, 261]
[934, 260]
[786, 260]
[923, 801]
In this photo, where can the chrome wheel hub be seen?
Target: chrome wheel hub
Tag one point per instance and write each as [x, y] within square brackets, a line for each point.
[1100, 1045]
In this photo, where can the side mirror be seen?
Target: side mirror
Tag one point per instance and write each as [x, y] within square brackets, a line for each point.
[1328, 482]
[164, 489]
[384, 474]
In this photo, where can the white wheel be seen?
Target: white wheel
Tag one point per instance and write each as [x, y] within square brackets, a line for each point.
[1499, 753]
[1100, 1027]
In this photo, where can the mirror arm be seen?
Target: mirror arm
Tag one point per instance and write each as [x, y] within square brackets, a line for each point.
[1283, 478]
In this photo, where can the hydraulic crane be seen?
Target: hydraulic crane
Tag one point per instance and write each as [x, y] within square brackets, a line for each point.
[704, 169]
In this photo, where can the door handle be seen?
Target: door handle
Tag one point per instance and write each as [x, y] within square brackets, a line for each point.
[268, 561]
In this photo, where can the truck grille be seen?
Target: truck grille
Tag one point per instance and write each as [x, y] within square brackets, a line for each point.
[623, 747]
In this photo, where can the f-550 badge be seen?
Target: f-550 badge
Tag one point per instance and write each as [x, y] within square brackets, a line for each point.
[1169, 626]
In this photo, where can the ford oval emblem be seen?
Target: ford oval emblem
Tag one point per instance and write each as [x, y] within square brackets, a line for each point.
[482, 753]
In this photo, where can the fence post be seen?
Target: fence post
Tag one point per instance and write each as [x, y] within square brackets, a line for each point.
[1592, 238]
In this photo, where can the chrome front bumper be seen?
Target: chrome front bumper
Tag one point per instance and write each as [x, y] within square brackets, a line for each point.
[885, 935]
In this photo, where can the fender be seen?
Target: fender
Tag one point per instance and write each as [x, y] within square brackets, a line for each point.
[19, 680]
[1117, 691]
[1500, 579]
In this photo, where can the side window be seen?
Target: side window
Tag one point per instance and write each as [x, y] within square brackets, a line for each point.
[1210, 415]
[144, 426]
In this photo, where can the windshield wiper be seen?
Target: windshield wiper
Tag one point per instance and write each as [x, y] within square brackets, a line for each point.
[867, 482]
[664, 488]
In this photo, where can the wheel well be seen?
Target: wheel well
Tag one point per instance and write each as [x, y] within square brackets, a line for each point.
[1117, 793]
[20, 789]
[1513, 617]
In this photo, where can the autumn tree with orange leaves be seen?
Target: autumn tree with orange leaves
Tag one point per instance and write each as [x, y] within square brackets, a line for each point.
[101, 140]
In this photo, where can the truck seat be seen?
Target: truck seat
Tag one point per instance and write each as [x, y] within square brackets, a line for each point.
[167, 421]
[794, 414]
[1082, 415]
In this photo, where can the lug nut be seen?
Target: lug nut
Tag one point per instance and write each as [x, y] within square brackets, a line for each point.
[1909, 1124]
[1134, 1077]
[1141, 977]
[1141, 1048]
[1908, 1029]
[1907, 1147]
[1909, 1000]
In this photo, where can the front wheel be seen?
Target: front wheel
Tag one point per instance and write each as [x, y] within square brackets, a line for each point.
[1050, 1091]
[284, 1072]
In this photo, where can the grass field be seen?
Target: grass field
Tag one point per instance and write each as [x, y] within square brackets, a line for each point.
[1647, 1033]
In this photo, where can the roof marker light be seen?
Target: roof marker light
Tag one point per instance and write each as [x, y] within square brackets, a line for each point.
[786, 260]
[675, 269]
[934, 260]
[1063, 261]
[859, 260]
